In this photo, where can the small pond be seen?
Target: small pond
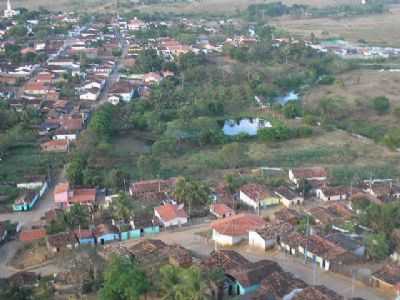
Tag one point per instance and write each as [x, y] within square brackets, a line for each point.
[291, 96]
[244, 126]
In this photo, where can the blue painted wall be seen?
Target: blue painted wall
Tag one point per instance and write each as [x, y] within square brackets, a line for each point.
[134, 234]
[109, 237]
[152, 230]
[86, 241]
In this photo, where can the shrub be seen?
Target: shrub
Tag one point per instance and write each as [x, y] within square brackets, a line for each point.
[381, 104]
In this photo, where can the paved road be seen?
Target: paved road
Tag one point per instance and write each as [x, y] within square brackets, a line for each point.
[189, 238]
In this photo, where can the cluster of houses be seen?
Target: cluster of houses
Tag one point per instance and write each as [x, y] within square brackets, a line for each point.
[348, 50]
[257, 280]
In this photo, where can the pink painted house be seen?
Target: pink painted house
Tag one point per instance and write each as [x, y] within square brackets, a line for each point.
[61, 194]
[64, 197]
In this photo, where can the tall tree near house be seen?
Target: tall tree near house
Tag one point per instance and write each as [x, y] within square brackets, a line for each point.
[191, 193]
[75, 169]
[121, 208]
[377, 246]
[76, 216]
[124, 280]
[182, 284]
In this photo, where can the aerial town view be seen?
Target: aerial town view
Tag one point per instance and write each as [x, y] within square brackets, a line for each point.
[200, 149]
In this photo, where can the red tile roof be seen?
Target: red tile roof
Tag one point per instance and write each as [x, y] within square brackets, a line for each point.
[255, 191]
[55, 145]
[238, 225]
[222, 209]
[169, 212]
[149, 186]
[314, 172]
[32, 235]
[83, 196]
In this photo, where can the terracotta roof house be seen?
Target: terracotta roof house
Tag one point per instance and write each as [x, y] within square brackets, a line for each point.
[221, 210]
[287, 215]
[171, 215]
[327, 193]
[180, 257]
[64, 196]
[148, 250]
[247, 279]
[61, 241]
[388, 277]
[232, 230]
[270, 235]
[278, 285]
[257, 196]
[55, 146]
[148, 190]
[83, 196]
[30, 235]
[288, 197]
[310, 174]
[225, 259]
[325, 254]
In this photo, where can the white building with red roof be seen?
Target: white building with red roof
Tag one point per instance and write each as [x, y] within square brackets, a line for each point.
[221, 210]
[232, 230]
[171, 215]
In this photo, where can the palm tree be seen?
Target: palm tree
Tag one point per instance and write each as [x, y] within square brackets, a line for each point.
[191, 192]
[182, 284]
[121, 208]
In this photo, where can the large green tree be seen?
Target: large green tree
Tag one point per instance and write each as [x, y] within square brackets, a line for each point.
[182, 284]
[191, 193]
[124, 280]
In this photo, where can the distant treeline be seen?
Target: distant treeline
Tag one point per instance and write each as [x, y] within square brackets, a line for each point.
[277, 9]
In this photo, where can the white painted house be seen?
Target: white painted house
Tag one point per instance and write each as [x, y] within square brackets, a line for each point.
[288, 197]
[331, 193]
[257, 196]
[269, 236]
[171, 215]
[311, 174]
[232, 230]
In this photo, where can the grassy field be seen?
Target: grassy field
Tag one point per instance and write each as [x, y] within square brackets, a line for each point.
[357, 89]
[375, 29]
[334, 150]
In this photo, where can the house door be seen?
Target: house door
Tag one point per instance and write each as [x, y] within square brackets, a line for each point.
[101, 241]
[141, 232]
[230, 290]
[238, 290]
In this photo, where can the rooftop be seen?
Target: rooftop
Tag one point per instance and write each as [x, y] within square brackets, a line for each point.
[255, 191]
[238, 225]
[30, 235]
[390, 273]
[170, 212]
[254, 273]
[308, 173]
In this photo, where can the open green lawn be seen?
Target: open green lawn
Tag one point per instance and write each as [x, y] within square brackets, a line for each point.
[335, 150]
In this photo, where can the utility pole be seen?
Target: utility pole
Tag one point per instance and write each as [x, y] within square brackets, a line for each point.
[307, 236]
